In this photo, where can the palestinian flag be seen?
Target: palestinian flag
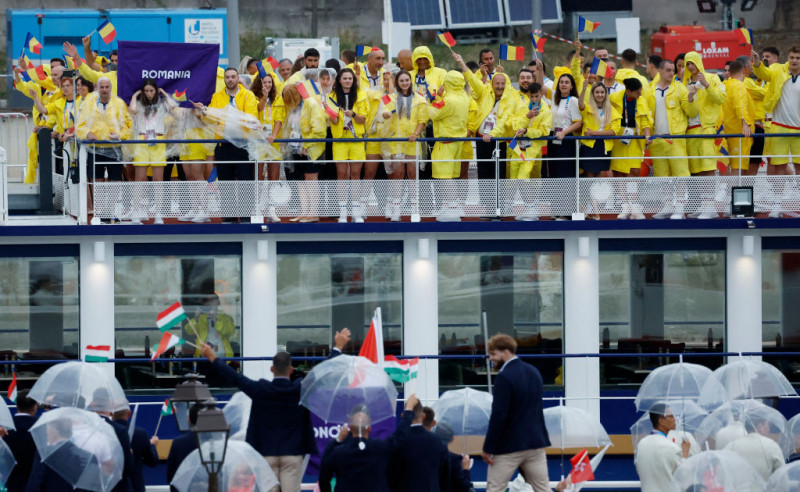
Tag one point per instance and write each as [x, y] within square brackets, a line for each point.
[172, 316]
[168, 340]
[97, 353]
[401, 371]
[12, 388]
[166, 408]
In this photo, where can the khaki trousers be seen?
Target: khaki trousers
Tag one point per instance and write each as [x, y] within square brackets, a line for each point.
[533, 463]
[289, 470]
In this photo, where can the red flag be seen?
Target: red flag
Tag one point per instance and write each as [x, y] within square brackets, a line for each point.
[273, 62]
[581, 467]
[372, 348]
[331, 112]
[386, 99]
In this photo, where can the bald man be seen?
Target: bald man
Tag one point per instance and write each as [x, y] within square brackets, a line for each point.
[404, 60]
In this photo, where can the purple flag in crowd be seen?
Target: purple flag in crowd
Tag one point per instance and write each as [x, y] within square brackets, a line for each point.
[325, 432]
[186, 71]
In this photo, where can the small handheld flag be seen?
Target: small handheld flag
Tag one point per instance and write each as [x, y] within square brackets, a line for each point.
[179, 95]
[447, 39]
[168, 340]
[386, 99]
[514, 145]
[303, 90]
[25, 76]
[70, 62]
[33, 45]
[508, 52]
[313, 86]
[107, 32]
[581, 467]
[166, 408]
[97, 353]
[601, 68]
[362, 50]
[372, 348]
[401, 371]
[272, 62]
[37, 73]
[262, 72]
[28, 62]
[331, 112]
[585, 25]
[213, 176]
[746, 35]
[12, 388]
[538, 42]
[171, 317]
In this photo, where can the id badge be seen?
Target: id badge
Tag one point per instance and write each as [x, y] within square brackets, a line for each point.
[557, 141]
[628, 132]
[267, 129]
[150, 135]
[524, 143]
[295, 146]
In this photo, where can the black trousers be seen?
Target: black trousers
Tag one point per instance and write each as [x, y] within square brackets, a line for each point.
[242, 170]
[483, 152]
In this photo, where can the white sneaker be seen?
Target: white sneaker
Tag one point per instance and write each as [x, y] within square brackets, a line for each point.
[189, 216]
[272, 215]
[677, 213]
[200, 219]
[707, 211]
[666, 211]
[342, 214]
[774, 214]
[722, 193]
[528, 215]
[626, 210]
[395, 216]
[158, 220]
[636, 212]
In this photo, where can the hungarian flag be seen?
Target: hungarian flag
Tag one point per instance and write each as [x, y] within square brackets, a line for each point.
[401, 371]
[585, 25]
[168, 340]
[179, 96]
[447, 38]
[32, 44]
[372, 348]
[97, 353]
[581, 467]
[514, 53]
[12, 388]
[166, 408]
[538, 42]
[107, 32]
[170, 317]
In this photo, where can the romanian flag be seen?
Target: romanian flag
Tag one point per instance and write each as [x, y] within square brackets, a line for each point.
[447, 38]
[514, 145]
[33, 45]
[585, 25]
[213, 175]
[179, 95]
[601, 68]
[362, 50]
[172, 316]
[168, 340]
[538, 42]
[97, 353]
[262, 72]
[386, 99]
[331, 112]
[508, 52]
[25, 76]
[28, 62]
[746, 35]
[70, 62]
[12, 388]
[307, 88]
[37, 74]
[271, 62]
[166, 408]
[313, 86]
[107, 32]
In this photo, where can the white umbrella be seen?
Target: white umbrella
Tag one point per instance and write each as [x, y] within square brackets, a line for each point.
[81, 385]
[792, 434]
[688, 417]
[237, 415]
[466, 411]
[745, 379]
[680, 381]
[6, 420]
[7, 462]
[570, 427]
[735, 419]
[719, 471]
[785, 479]
[243, 469]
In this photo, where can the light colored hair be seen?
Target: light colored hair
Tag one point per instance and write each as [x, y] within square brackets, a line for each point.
[606, 107]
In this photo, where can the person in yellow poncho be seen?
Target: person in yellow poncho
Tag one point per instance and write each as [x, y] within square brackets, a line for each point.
[669, 102]
[449, 113]
[271, 113]
[214, 328]
[707, 93]
[60, 114]
[757, 92]
[738, 115]
[426, 76]
[600, 118]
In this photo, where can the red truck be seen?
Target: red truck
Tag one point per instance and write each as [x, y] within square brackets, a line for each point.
[717, 47]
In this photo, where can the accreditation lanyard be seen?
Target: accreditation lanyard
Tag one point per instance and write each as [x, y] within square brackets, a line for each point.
[267, 107]
[69, 108]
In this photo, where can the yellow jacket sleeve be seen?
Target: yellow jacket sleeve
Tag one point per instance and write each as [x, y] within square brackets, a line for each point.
[687, 107]
[478, 88]
[716, 91]
[764, 72]
[576, 70]
[250, 103]
[506, 113]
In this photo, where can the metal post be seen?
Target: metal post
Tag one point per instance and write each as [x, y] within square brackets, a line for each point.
[257, 217]
[740, 161]
[496, 157]
[578, 215]
[83, 191]
[233, 33]
[536, 15]
[45, 171]
[486, 349]
[415, 217]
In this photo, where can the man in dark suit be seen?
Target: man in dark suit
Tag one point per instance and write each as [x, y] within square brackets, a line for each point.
[100, 402]
[20, 442]
[517, 435]
[358, 462]
[81, 464]
[460, 476]
[421, 462]
[142, 447]
[182, 446]
[279, 428]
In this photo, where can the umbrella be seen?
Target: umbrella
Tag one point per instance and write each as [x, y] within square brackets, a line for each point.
[243, 469]
[718, 471]
[334, 387]
[7, 462]
[791, 435]
[785, 479]
[6, 420]
[744, 379]
[466, 411]
[688, 417]
[237, 414]
[80, 446]
[80, 385]
[571, 427]
[678, 382]
[735, 419]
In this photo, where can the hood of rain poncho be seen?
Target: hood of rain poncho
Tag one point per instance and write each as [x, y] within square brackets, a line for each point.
[421, 52]
[454, 82]
[695, 58]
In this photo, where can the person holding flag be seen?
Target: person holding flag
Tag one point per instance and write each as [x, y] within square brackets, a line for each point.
[61, 115]
[669, 101]
[214, 329]
[85, 66]
[271, 114]
[600, 119]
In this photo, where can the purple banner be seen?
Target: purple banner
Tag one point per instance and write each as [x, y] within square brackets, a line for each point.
[325, 432]
[183, 70]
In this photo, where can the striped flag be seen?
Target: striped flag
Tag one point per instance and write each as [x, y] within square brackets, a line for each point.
[538, 42]
[166, 408]
[514, 145]
[97, 353]
[303, 90]
[213, 176]
[12, 388]
[28, 62]
[168, 340]
[372, 348]
[331, 112]
[447, 38]
[362, 50]
[271, 62]
[179, 95]
[33, 45]
[37, 73]
[601, 68]
[70, 62]
[262, 72]
[508, 52]
[585, 25]
[746, 35]
[401, 371]
[107, 32]
[170, 317]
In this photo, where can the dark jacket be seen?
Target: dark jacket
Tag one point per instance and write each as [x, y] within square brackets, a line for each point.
[21, 444]
[121, 430]
[420, 463]
[182, 446]
[45, 479]
[144, 454]
[359, 470]
[517, 421]
[460, 479]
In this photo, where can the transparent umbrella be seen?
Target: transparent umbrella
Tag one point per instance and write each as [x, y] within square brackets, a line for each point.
[81, 447]
[735, 419]
[6, 420]
[244, 470]
[80, 385]
[678, 382]
[7, 462]
[688, 417]
[334, 387]
[717, 471]
[792, 435]
[571, 427]
[745, 379]
[785, 479]
[237, 415]
[467, 412]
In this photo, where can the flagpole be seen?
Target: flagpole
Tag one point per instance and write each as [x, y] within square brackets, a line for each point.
[379, 329]
[160, 416]
[486, 349]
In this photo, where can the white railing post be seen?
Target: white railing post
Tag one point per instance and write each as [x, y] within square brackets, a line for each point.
[83, 190]
[496, 156]
[577, 214]
[3, 186]
[415, 216]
